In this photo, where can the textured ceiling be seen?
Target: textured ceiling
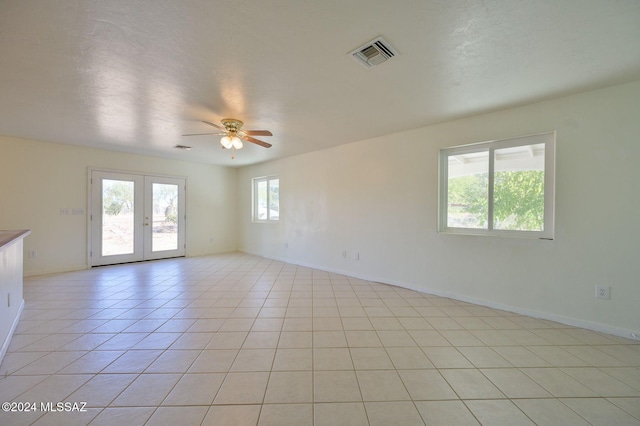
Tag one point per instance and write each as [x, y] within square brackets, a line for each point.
[135, 75]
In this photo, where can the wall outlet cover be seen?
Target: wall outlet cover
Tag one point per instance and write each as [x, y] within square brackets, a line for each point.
[603, 292]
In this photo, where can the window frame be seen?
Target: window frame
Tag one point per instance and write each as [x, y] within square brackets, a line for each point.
[254, 199]
[548, 231]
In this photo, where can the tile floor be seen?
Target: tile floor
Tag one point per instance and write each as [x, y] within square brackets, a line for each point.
[242, 340]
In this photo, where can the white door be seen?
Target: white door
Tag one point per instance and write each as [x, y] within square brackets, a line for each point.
[136, 217]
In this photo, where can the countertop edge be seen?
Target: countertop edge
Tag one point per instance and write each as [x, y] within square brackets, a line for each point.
[9, 236]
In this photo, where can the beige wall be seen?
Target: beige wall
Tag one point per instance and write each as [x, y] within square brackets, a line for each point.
[37, 179]
[378, 198]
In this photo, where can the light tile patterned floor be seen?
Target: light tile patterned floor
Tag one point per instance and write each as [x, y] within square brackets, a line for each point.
[242, 340]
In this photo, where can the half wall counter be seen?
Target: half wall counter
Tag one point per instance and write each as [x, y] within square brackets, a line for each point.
[11, 284]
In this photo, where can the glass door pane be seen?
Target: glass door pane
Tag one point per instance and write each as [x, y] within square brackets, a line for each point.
[116, 218]
[164, 217]
[118, 231]
[164, 209]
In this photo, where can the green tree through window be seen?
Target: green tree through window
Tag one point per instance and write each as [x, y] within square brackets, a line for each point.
[518, 199]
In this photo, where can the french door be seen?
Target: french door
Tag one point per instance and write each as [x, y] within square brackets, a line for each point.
[135, 217]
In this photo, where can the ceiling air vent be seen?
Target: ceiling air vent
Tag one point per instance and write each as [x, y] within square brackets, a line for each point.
[373, 53]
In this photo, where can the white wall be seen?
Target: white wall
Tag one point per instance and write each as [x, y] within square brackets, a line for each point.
[37, 179]
[378, 198]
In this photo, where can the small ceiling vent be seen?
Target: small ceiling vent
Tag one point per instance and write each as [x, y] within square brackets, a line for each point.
[373, 53]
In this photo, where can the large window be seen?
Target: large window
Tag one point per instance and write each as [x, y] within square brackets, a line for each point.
[266, 199]
[499, 188]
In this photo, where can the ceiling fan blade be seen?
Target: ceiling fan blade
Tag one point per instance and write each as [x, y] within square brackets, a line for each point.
[214, 125]
[256, 141]
[202, 134]
[258, 132]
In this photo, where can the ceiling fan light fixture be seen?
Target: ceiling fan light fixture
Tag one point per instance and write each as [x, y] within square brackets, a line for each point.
[232, 137]
[226, 142]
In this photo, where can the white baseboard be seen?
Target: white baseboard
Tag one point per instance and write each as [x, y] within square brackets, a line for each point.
[7, 340]
[573, 322]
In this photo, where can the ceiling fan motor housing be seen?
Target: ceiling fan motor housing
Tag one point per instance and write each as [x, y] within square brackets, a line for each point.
[231, 124]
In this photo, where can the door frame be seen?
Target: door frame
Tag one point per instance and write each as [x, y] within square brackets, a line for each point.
[90, 234]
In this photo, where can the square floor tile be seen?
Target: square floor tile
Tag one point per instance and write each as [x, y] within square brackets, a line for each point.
[514, 383]
[602, 383]
[289, 387]
[599, 411]
[237, 415]
[409, 358]
[549, 412]
[471, 384]
[293, 359]
[147, 390]
[286, 415]
[100, 390]
[371, 359]
[254, 360]
[345, 413]
[195, 389]
[400, 413]
[171, 416]
[336, 386]
[332, 359]
[446, 357]
[426, 385]
[242, 388]
[446, 413]
[173, 361]
[123, 416]
[329, 339]
[296, 339]
[213, 361]
[381, 385]
[498, 412]
[261, 340]
[558, 383]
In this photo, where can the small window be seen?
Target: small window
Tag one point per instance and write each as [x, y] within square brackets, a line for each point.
[499, 188]
[266, 199]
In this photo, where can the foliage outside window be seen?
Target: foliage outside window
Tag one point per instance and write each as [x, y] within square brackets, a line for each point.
[499, 188]
[266, 199]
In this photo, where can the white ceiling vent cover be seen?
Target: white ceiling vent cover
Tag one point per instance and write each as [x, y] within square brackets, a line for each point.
[373, 53]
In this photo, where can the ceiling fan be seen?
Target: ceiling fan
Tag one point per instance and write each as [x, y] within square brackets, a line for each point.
[232, 136]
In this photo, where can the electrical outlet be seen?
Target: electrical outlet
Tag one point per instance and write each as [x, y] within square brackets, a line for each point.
[603, 292]
[33, 253]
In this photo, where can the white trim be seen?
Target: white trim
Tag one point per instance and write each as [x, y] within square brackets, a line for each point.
[573, 322]
[7, 340]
